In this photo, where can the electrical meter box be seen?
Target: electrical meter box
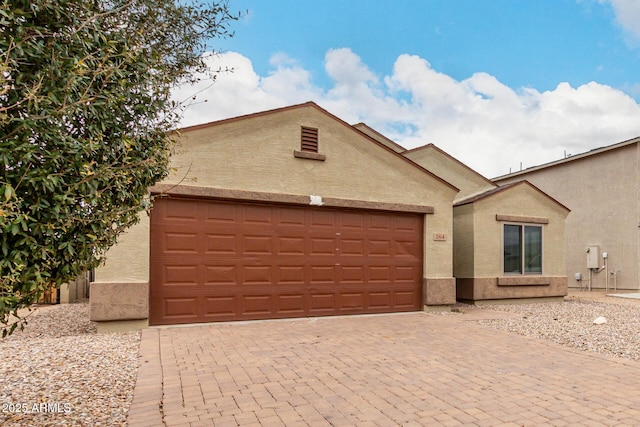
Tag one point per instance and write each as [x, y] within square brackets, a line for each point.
[593, 257]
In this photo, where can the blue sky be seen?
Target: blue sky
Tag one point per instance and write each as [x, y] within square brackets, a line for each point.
[494, 83]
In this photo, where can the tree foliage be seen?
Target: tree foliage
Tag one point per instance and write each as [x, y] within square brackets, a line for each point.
[85, 115]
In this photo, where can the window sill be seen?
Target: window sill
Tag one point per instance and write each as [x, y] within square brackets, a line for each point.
[309, 155]
[523, 281]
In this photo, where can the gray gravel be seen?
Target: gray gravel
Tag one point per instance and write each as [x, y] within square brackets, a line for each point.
[571, 323]
[59, 372]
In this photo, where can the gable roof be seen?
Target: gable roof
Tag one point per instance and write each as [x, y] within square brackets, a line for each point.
[507, 187]
[368, 130]
[588, 154]
[311, 104]
[444, 153]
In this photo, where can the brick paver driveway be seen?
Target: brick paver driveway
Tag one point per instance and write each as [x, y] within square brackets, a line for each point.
[412, 369]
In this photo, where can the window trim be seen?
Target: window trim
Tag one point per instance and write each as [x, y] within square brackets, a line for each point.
[522, 226]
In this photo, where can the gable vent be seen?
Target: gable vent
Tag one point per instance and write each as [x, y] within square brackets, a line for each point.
[309, 140]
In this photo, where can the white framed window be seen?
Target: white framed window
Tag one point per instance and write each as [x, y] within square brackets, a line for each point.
[521, 249]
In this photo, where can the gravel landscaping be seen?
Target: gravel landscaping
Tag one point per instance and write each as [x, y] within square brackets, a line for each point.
[572, 323]
[60, 372]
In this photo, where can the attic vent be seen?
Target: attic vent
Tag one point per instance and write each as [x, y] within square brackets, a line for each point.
[308, 145]
[309, 140]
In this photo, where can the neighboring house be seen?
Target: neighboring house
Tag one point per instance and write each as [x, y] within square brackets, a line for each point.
[602, 187]
[507, 240]
[293, 212]
[72, 291]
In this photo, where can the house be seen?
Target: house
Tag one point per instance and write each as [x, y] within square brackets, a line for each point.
[602, 187]
[293, 212]
[285, 213]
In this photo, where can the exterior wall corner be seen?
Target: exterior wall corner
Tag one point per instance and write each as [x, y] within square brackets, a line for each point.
[440, 291]
[119, 301]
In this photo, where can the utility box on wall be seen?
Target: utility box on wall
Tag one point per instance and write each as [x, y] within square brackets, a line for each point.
[593, 257]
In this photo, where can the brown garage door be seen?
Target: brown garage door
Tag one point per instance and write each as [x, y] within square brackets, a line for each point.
[218, 261]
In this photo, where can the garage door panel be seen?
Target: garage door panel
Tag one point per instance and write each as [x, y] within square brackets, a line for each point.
[185, 307]
[380, 274]
[256, 275]
[220, 261]
[256, 304]
[352, 300]
[322, 246]
[352, 246]
[406, 224]
[290, 246]
[322, 274]
[180, 211]
[183, 275]
[380, 248]
[257, 245]
[221, 214]
[291, 304]
[379, 222]
[409, 248]
[290, 220]
[221, 244]
[352, 221]
[256, 215]
[223, 306]
[404, 299]
[352, 274]
[379, 299]
[322, 302]
[181, 243]
[407, 274]
[217, 275]
[292, 274]
[322, 220]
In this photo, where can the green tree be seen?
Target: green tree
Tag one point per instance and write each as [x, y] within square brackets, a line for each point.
[85, 115]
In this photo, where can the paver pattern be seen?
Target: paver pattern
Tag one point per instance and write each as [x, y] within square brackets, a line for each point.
[413, 369]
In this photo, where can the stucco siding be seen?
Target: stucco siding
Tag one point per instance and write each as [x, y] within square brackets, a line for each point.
[256, 154]
[463, 238]
[522, 201]
[128, 260]
[443, 165]
[602, 192]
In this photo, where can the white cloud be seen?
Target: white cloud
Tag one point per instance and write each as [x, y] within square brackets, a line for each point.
[628, 15]
[233, 93]
[482, 122]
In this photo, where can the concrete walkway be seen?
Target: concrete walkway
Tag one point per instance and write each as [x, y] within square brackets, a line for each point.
[413, 369]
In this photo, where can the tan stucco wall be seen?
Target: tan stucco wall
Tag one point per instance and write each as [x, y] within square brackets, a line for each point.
[119, 301]
[128, 260]
[521, 200]
[257, 155]
[602, 193]
[439, 291]
[448, 168]
[491, 288]
[478, 246]
[463, 238]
